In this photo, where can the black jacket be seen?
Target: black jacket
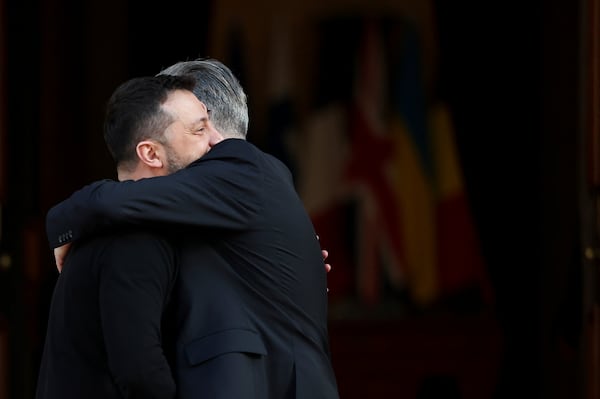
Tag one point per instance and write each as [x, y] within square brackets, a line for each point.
[251, 297]
[104, 328]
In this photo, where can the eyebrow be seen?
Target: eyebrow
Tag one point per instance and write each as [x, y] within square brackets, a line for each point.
[198, 122]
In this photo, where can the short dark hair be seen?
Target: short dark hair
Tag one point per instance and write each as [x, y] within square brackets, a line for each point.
[134, 113]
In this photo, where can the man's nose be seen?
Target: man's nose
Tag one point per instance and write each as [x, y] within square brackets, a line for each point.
[215, 138]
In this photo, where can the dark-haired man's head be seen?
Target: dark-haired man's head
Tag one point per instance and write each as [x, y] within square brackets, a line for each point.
[155, 126]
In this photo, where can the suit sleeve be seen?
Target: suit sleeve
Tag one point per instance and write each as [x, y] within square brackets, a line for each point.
[216, 192]
[134, 287]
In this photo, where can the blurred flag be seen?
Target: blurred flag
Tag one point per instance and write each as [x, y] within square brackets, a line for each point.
[322, 151]
[379, 240]
[413, 170]
[460, 264]
[316, 158]
[380, 175]
[441, 247]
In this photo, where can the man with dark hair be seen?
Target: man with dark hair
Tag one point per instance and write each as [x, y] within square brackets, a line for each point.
[248, 242]
[104, 331]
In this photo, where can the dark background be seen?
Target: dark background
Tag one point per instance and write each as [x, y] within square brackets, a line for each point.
[513, 73]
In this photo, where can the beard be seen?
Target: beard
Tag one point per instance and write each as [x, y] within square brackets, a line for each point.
[174, 161]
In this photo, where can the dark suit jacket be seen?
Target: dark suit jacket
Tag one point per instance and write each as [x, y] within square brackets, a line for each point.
[251, 297]
[104, 337]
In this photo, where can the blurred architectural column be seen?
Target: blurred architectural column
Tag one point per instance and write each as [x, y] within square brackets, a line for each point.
[587, 360]
[590, 84]
[3, 165]
[2, 112]
[3, 361]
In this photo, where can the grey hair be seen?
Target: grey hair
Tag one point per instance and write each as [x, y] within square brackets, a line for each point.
[220, 91]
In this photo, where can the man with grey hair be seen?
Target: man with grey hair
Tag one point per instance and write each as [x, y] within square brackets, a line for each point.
[247, 240]
[220, 91]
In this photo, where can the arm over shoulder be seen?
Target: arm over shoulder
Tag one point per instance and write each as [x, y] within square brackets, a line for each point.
[220, 190]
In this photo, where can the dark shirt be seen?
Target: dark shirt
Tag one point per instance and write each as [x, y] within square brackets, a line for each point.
[104, 328]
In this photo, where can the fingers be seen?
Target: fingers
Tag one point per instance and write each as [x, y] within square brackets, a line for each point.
[60, 254]
[325, 254]
[59, 261]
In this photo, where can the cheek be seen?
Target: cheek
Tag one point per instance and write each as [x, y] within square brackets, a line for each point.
[199, 146]
[202, 141]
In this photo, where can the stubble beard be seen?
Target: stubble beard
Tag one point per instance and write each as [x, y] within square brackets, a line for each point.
[174, 162]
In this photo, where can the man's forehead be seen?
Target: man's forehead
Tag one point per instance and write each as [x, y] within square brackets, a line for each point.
[184, 100]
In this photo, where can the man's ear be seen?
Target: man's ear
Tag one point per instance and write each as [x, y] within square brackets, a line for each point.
[148, 152]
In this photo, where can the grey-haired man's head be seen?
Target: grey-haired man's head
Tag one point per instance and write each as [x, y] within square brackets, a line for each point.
[220, 91]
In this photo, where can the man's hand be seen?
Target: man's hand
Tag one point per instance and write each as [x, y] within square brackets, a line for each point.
[325, 255]
[60, 254]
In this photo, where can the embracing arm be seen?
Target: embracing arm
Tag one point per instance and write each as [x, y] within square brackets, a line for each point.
[212, 192]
